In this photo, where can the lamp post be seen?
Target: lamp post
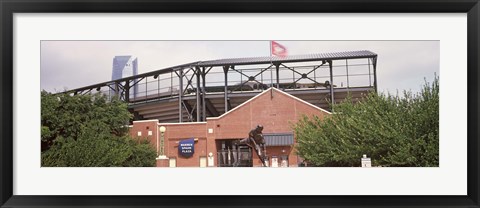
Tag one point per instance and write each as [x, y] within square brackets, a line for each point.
[160, 149]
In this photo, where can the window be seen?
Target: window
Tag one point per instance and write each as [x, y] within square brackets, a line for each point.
[284, 161]
[274, 162]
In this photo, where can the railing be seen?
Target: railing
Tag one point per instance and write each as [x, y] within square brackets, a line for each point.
[346, 74]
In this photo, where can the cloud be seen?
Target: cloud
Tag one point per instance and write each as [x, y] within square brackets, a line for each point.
[402, 65]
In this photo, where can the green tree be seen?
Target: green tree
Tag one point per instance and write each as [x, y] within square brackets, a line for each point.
[392, 130]
[89, 131]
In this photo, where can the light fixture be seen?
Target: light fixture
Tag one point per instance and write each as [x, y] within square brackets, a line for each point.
[155, 76]
[162, 129]
[160, 144]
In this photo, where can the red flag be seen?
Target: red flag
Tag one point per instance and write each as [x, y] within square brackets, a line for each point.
[278, 50]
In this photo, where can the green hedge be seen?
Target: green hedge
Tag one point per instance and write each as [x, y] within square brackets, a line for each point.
[392, 130]
[89, 131]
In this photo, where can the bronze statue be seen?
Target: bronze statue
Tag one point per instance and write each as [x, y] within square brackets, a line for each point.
[256, 141]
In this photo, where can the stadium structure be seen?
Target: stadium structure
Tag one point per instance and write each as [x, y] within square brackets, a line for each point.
[194, 91]
[195, 114]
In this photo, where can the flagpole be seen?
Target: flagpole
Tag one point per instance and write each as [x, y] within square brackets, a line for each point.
[271, 64]
[270, 51]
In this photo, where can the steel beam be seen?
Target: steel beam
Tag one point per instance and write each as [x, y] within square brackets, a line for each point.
[204, 113]
[180, 96]
[346, 67]
[374, 63]
[197, 72]
[117, 90]
[277, 67]
[332, 99]
[225, 72]
[229, 104]
[189, 80]
[189, 109]
[211, 108]
[127, 91]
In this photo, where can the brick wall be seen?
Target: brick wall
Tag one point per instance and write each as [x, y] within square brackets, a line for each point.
[176, 132]
[143, 128]
[275, 110]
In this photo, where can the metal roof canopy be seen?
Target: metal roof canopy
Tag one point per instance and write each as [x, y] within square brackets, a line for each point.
[278, 139]
[242, 61]
[287, 59]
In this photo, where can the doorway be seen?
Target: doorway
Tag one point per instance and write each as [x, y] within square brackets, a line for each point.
[230, 154]
[203, 162]
[172, 162]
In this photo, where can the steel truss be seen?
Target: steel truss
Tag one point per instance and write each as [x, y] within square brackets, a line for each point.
[183, 82]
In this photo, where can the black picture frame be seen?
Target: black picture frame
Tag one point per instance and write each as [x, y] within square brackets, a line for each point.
[9, 7]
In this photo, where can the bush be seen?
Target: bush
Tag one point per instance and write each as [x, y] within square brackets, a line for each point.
[392, 130]
[89, 131]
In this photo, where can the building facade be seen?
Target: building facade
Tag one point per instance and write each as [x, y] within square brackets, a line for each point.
[125, 66]
[214, 143]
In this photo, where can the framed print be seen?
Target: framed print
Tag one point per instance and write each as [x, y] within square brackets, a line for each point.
[211, 103]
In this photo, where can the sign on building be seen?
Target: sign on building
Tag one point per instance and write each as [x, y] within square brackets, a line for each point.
[186, 147]
[366, 162]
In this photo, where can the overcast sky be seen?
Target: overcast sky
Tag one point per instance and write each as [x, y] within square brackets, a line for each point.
[402, 65]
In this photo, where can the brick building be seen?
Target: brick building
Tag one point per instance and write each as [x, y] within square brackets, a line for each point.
[196, 118]
[214, 141]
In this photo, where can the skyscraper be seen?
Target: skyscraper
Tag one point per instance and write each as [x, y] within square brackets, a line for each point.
[125, 66]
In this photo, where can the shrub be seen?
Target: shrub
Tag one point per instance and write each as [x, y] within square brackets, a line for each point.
[392, 130]
[89, 131]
